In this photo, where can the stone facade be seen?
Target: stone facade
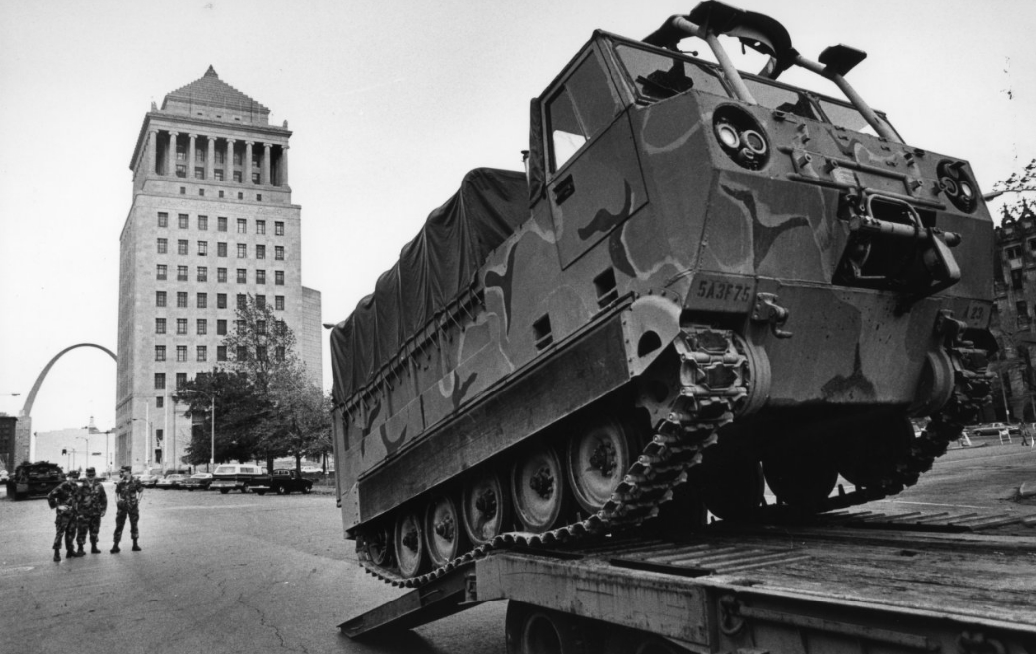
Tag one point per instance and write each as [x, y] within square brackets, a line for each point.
[1013, 324]
[211, 222]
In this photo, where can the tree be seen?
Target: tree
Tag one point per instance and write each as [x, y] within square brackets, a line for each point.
[302, 413]
[240, 412]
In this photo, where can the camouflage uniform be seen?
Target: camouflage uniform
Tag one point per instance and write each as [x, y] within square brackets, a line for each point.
[63, 498]
[127, 495]
[93, 504]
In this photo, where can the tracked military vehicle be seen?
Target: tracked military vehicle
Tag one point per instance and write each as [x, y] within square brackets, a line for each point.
[705, 279]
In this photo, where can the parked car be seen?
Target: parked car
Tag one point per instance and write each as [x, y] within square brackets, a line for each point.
[3, 476]
[149, 479]
[242, 477]
[200, 481]
[285, 482]
[992, 430]
[171, 481]
[311, 470]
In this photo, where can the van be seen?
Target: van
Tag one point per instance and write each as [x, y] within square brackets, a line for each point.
[240, 476]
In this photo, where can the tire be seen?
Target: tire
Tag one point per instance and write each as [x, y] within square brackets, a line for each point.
[409, 544]
[442, 530]
[596, 461]
[534, 630]
[485, 508]
[224, 491]
[538, 488]
[306, 490]
[260, 492]
[282, 490]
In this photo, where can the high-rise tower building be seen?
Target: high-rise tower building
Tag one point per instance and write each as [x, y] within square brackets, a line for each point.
[211, 222]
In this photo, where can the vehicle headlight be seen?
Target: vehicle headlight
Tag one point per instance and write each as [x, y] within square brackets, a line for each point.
[740, 136]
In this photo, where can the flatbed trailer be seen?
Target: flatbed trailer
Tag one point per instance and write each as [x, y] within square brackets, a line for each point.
[852, 582]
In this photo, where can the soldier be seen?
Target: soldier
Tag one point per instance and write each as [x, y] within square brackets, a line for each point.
[127, 499]
[92, 505]
[63, 498]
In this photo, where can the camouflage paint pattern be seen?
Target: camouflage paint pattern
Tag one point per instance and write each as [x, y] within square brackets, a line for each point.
[653, 202]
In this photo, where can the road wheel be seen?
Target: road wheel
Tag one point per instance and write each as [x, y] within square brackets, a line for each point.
[538, 488]
[409, 544]
[282, 490]
[443, 530]
[378, 545]
[486, 508]
[306, 490]
[729, 482]
[534, 630]
[800, 476]
[224, 491]
[596, 462]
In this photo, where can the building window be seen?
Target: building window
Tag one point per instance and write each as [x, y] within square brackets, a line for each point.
[183, 190]
[278, 228]
[238, 158]
[181, 273]
[159, 298]
[1016, 279]
[260, 277]
[163, 245]
[221, 275]
[260, 352]
[278, 277]
[242, 275]
[221, 249]
[260, 251]
[258, 197]
[183, 221]
[181, 326]
[255, 178]
[181, 152]
[221, 224]
[260, 327]
[159, 381]
[221, 300]
[221, 327]
[239, 325]
[181, 172]
[181, 246]
[242, 353]
[163, 219]
[199, 155]
[260, 301]
[242, 250]
[181, 299]
[221, 192]
[282, 328]
[159, 403]
[218, 176]
[199, 172]
[181, 380]
[237, 178]
[241, 301]
[159, 353]
[278, 302]
[203, 300]
[163, 271]
[203, 223]
[278, 252]
[1013, 252]
[260, 227]
[201, 191]
[203, 248]
[242, 226]
[159, 325]
[203, 353]
[1023, 313]
[221, 353]
[240, 195]
[202, 327]
[203, 273]
[280, 352]
[181, 352]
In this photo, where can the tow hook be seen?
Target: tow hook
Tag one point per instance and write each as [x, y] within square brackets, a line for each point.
[767, 310]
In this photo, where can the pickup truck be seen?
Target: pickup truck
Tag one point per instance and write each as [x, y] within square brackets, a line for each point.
[251, 478]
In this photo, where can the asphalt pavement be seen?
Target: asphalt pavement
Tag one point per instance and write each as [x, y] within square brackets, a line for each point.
[243, 573]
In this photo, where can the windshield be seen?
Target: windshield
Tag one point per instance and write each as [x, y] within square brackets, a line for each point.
[660, 76]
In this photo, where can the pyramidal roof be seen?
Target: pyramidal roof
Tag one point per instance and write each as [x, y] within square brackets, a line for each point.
[211, 91]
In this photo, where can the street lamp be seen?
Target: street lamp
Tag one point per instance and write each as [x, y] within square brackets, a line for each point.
[147, 441]
[212, 428]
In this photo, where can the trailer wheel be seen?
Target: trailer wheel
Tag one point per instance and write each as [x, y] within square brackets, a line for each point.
[534, 630]
[485, 508]
[442, 530]
[596, 462]
[538, 488]
[409, 544]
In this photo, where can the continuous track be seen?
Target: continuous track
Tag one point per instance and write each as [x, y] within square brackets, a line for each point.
[716, 381]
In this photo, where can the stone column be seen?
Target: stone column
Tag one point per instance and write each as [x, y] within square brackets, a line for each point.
[247, 177]
[190, 156]
[210, 159]
[228, 165]
[264, 175]
[171, 155]
[152, 152]
[284, 165]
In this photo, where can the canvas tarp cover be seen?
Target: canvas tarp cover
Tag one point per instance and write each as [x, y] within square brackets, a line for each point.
[432, 270]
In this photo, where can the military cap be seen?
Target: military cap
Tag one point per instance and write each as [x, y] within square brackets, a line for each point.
[91, 472]
[127, 468]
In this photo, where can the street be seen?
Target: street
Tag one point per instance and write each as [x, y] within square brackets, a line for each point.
[241, 573]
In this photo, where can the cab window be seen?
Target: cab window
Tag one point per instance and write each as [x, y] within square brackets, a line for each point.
[658, 76]
[583, 106]
[782, 99]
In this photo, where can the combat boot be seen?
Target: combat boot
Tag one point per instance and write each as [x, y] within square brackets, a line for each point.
[80, 551]
[115, 548]
[57, 554]
[93, 547]
[136, 548]
[70, 553]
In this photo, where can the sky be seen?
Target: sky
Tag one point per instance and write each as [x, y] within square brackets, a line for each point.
[391, 103]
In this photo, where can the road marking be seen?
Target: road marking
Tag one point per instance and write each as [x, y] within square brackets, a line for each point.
[958, 506]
